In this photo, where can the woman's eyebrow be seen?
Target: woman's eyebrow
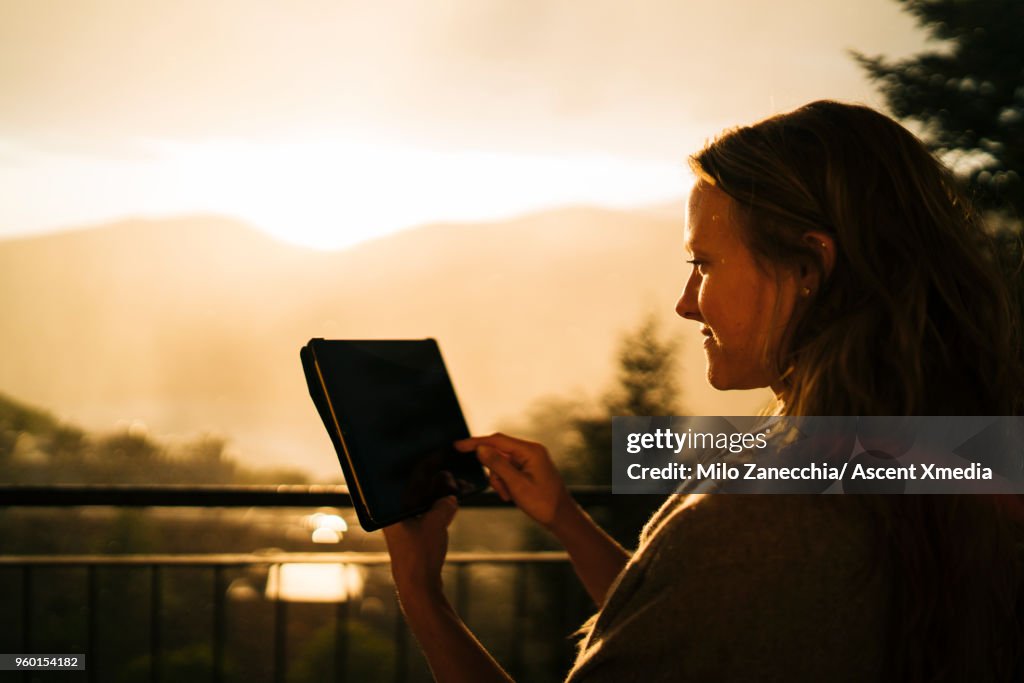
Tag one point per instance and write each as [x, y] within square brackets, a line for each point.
[688, 244]
[694, 248]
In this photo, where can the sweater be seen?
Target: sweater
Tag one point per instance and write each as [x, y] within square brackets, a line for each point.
[745, 588]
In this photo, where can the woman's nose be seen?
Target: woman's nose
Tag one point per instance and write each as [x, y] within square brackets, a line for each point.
[687, 307]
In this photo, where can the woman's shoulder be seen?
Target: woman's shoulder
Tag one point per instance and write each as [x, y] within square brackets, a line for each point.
[772, 521]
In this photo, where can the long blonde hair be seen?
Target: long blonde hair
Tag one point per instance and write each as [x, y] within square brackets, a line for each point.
[913, 319]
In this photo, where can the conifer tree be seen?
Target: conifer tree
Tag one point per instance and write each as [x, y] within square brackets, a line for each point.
[645, 385]
[967, 93]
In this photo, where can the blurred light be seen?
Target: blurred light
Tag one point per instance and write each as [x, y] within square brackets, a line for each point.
[325, 535]
[327, 527]
[241, 589]
[314, 582]
[324, 521]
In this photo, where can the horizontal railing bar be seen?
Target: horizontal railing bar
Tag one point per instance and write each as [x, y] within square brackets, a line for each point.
[243, 559]
[68, 495]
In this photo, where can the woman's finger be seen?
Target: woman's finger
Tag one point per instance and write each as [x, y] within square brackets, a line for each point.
[498, 485]
[507, 444]
[488, 452]
[511, 476]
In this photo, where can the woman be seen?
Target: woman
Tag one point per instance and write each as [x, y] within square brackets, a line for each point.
[834, 261]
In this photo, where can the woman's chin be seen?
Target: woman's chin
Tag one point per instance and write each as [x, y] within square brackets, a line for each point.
[723, 380]
[717, 379]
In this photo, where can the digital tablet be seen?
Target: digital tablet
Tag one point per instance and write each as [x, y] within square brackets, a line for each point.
[391, 412]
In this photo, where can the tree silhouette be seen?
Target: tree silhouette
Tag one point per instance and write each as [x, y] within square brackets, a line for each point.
[967, 94]
[645, 385]
[580, 440]
[968, 97]
[36, 448]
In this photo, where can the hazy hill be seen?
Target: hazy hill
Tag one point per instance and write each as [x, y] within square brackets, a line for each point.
[36, 448]
[193, 324]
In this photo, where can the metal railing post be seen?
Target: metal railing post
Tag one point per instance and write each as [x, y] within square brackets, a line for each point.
[91, 660]
[341, 626]
[218, 624]
[280, 635]
[154, 624]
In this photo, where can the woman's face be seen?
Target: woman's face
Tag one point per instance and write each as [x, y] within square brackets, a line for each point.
[743, 307]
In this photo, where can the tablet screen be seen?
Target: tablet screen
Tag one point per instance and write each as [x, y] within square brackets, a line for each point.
[396, 410]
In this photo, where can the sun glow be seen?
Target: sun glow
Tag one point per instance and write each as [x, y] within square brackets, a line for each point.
[332, 192]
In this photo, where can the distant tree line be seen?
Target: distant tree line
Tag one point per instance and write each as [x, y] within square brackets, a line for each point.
[36, 448]
[578, 432]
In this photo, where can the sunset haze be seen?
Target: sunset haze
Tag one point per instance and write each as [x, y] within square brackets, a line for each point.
[194, 189]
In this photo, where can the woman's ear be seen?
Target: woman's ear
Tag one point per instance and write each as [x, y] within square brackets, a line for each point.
[823, 246]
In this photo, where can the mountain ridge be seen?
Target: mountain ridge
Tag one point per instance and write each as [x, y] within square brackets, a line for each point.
[193, 323]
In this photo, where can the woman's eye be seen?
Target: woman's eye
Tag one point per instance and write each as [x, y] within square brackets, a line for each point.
[698, 265]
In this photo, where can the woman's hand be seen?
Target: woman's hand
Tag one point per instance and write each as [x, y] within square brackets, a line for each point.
[522, 471]
[418, 547]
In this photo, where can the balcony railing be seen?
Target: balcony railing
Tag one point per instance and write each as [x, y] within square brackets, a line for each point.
[157, 580]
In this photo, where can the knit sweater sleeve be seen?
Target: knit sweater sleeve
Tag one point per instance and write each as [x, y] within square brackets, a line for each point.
[741, 588]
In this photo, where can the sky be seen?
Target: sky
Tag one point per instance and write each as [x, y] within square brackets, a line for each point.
[329, 122]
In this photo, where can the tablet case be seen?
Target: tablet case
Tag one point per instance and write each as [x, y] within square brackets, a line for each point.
[391, 412]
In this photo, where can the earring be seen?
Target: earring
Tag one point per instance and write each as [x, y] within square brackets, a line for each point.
[805, 292]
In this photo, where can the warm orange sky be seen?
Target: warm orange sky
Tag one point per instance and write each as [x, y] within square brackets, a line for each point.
[325, 122]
